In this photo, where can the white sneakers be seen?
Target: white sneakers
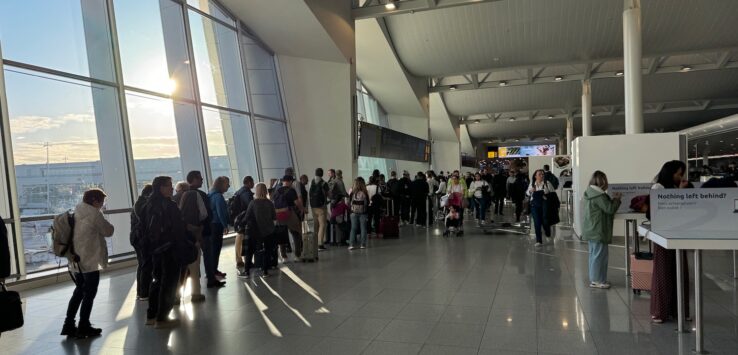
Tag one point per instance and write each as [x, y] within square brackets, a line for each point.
[603, 285]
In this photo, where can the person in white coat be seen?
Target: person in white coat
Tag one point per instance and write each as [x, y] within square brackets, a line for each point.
[90, 230]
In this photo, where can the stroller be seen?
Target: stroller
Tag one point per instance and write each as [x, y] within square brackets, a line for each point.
[453, 219]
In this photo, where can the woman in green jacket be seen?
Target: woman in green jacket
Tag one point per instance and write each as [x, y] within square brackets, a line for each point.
[599, 210]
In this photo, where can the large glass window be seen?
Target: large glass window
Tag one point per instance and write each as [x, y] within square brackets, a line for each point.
[211, 8]
[153, 138]
[67, 35]
[274, 148]
[262, 79]
[218, 63]
[153, 46]
[230, 145]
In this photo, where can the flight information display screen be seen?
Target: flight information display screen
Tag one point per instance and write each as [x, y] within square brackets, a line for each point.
[380, 142]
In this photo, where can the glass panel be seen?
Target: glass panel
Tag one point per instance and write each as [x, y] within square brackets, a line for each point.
[66, 35]
[274, 149]
[37, 246]
[153, 47]
[231, 157]
[218, 63]
[153, 138]
[212, 9]
[262, 79]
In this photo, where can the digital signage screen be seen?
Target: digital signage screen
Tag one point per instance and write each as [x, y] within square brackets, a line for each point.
[527, 151]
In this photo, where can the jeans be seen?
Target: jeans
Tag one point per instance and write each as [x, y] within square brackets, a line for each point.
[538, 222]
[499, 203]
[480, 204]
[358, 222]
[84, 294]
[598, 257]
[164, 287]
[143, 273]
[217, 240]
[251, 247]
[207, 258]
[320, 223]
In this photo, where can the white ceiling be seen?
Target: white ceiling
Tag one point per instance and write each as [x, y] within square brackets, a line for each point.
[511, 35]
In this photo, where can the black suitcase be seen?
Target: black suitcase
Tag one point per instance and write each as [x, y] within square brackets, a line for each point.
[11, 310]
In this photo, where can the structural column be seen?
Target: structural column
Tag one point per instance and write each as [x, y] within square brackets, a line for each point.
[569, 133]
[632, 63]
[586, 108]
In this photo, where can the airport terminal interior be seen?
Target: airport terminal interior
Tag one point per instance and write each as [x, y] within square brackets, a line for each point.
[369, 177]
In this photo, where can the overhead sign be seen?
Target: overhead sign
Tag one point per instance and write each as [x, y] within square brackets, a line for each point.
[712, 213]
[527, 151]
[633, 196]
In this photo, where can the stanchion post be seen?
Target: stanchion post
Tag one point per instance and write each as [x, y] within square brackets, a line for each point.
[627, 246]
[699, 331]
[680, 294]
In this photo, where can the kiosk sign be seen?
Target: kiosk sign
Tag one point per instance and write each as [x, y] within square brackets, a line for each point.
[633, 196]
[693, 210]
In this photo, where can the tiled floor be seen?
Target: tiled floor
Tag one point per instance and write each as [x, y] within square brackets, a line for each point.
[492, 293]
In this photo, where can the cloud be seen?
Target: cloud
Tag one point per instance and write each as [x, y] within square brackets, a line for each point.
[30, 124]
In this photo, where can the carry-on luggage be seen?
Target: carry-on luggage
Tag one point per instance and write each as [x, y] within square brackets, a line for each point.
[11, 309]
[389, 225]
[641, 268]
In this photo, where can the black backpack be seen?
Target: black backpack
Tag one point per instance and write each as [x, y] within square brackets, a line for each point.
[318, 194]
[235, 207]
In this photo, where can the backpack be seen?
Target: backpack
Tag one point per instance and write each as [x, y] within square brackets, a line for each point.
[62, 233]
[137, 230]
[235, 207]
[520, 186]
[358, 202]
[280, 204]
[550, 177]
[318, 194]
[377, 201]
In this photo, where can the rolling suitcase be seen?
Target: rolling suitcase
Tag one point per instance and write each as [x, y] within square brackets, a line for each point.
[641, 268]
[389, 225]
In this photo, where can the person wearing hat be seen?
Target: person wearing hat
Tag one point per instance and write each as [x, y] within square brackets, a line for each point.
[286, 203]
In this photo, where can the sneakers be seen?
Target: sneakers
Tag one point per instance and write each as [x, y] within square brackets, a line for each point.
[362, 247]
[88, 331]
[198, 298]
[322, 247]
[216, 284]
[169, 323]
[141, 299]
[538, 244]
[243, 274]
[603, 285]
[351, 247]
[69, 330]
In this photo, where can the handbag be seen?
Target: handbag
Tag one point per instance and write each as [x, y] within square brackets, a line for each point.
[11, 310]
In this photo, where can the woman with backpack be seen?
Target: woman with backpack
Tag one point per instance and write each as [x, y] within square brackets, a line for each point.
[599, 210]
[375, 205]
[258, 230]
[359, 205]
[90, 253]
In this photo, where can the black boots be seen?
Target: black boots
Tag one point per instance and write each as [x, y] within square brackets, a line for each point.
[84, 331]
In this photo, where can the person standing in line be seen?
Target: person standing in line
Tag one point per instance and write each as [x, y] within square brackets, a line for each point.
[479, 190]
[663, 283]
[143, 269]
[393, 187]
[517, 190]
[599, 212]
[374, 209]
[260, 217]
[537, 191]
[285, 202]
[194, 212]
[243, 197]
[405, 201]
[359, 204]
[219, 224]
[318, 194]
[457, 190]
[418, 198]
[89, 233]
[550, 177]
[432, 200]
[195, 180]
[499, 191]
[164, 225]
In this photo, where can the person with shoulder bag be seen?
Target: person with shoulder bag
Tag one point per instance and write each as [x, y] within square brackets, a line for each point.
[286, 204]
[257, 225]
[90, 230]
[318, 204]
[143, 268]
[537, 192]
[359, 204]
[599, 212]
[194, 212]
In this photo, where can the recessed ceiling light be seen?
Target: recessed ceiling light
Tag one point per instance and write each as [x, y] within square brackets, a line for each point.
[558, 78]
[685, 68]
[512, 118]
[550, 117]
[503, 83]
[517, 140]
[390, 5]
[721, 141]
[619, 73]
[452, 87]
[496, 59]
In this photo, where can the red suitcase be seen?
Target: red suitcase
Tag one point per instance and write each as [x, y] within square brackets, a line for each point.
[641, 269]
[389, 225]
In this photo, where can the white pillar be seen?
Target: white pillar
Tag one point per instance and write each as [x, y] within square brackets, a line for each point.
[586, 108]
[632, 63]
[569, 133]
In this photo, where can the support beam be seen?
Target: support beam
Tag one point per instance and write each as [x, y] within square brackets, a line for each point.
[408, 6]
[632, 61]
[586, 108]
[569, 133]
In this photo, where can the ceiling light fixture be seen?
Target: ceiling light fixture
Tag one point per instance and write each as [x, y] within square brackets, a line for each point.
[550, 117]
[452, 87]
[558, 78]
[685, 68]
[512, 118]
[619, 73]
[503, 83]
[390, 5]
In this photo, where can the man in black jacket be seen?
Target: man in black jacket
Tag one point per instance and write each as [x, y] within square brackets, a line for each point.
[418, 195]
[195, 180]
[4, 253]
[499, 187]
[404, 193]
[393, 185]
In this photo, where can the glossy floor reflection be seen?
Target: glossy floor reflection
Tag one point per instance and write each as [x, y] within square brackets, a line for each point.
[485, 293]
